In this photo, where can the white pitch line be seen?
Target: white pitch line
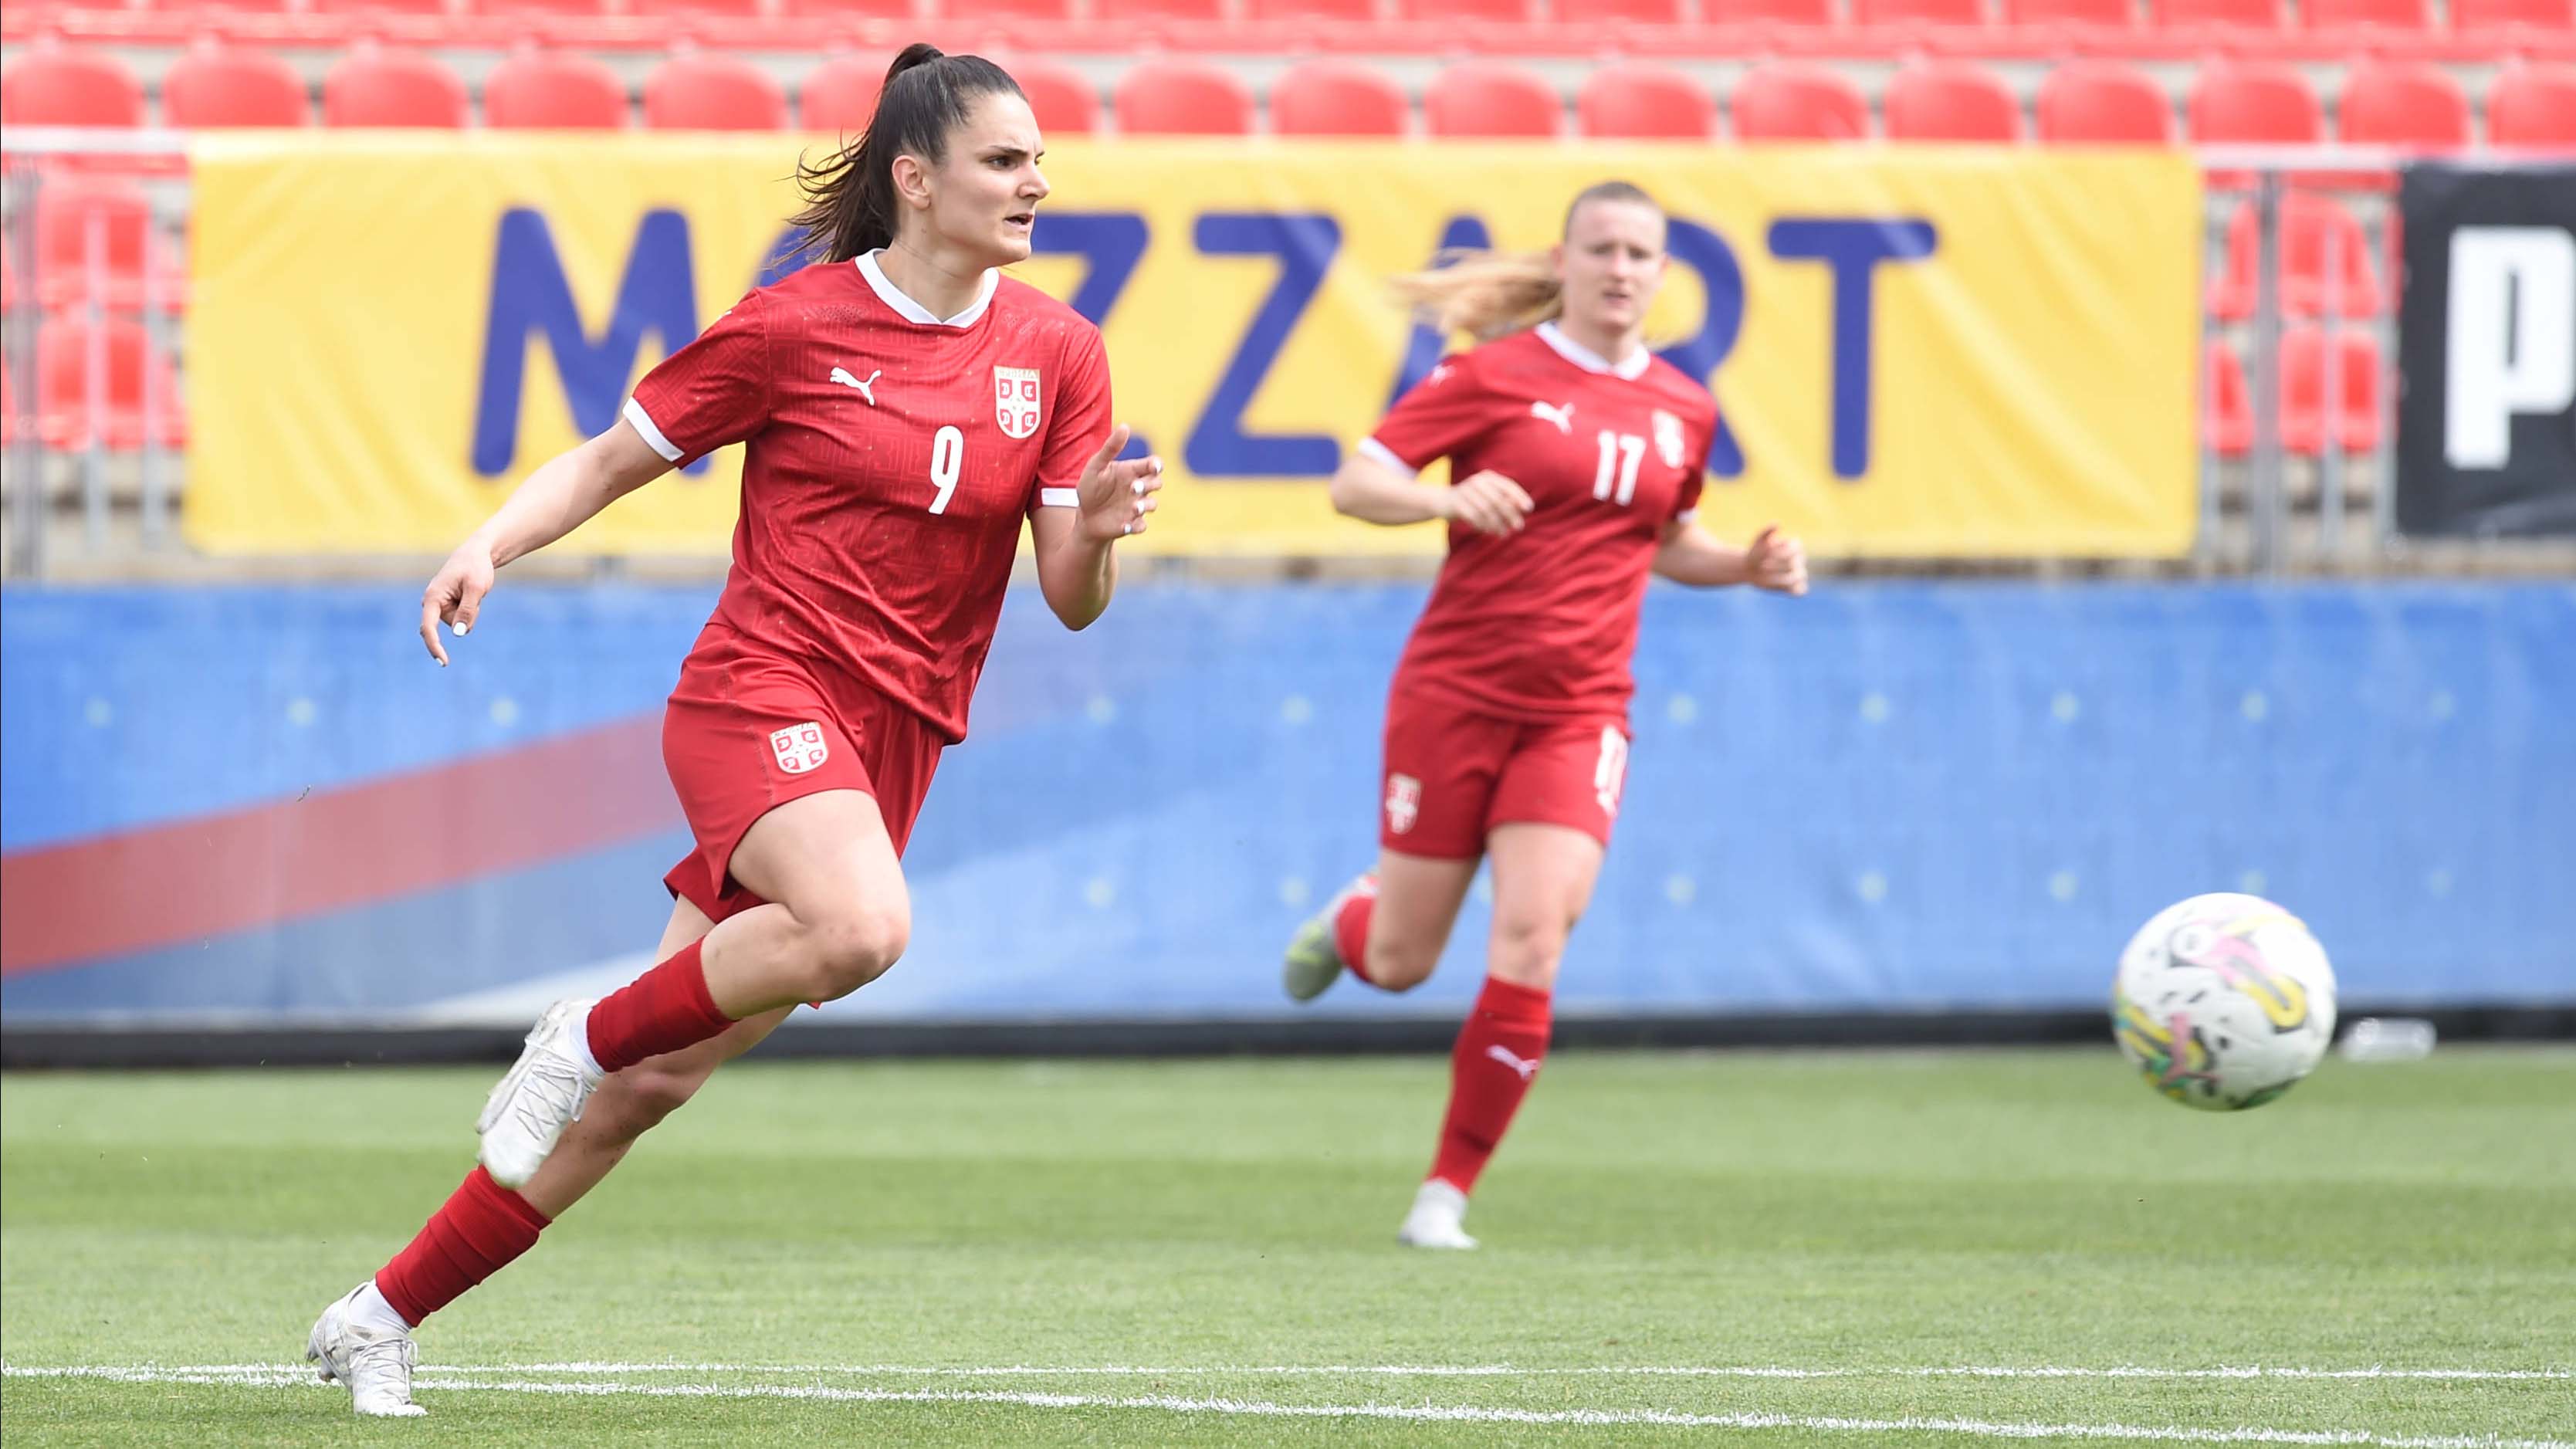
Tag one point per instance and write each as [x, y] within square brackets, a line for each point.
[1427, 1371]
[1410, 1413]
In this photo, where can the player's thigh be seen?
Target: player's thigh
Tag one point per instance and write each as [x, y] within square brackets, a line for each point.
[828, 859]
[1543, 880]
[1418, 898]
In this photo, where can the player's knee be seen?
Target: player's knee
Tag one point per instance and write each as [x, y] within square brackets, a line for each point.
[1528, 944]
[854, 946]
[1400, 965]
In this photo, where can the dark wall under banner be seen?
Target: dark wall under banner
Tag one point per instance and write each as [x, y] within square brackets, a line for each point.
[2486, 348]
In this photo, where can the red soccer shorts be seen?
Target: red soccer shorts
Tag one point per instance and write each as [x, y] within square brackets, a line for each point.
[747, 731]
[1454, 772]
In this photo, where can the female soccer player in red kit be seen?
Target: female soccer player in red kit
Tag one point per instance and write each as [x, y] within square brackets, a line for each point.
[904, 407]
[1576, 458]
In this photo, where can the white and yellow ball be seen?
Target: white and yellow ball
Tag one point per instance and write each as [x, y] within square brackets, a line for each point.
[2223, 1002]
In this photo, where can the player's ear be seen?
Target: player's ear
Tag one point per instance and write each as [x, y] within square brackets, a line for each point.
[911, 180]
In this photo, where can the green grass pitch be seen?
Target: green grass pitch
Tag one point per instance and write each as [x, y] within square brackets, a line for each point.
[1863, 1249]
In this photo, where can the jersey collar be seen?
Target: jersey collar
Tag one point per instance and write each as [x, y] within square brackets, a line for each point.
[1630, 370]
[912, 311]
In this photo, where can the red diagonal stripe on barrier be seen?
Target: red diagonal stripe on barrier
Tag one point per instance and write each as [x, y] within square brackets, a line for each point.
[165, 884]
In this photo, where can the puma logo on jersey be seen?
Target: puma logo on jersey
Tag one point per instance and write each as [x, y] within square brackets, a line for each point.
[1438, 374]
[1561, 415]
[1526, 1066]
[866, 389]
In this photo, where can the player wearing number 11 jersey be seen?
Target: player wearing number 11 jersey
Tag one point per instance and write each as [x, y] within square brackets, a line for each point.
[903, 408]
[1576, 458]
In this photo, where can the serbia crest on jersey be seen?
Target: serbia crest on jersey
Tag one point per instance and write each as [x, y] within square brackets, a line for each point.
[1015, 401]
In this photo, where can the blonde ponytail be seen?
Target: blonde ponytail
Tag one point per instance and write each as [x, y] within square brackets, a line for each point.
[1489, 294]
[1484, 294]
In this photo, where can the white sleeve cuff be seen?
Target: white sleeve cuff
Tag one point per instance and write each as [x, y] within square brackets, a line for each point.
[1058, 498]
[1687, 515]
[1372, 448]
[643, 422]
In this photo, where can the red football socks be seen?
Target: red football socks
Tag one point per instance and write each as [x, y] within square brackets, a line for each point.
[1498, 1053]
[480, 1229]
[1351, 928]
[663, 1010]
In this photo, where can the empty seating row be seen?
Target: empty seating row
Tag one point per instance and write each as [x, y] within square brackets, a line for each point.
[2330, 389]
[2397, 103]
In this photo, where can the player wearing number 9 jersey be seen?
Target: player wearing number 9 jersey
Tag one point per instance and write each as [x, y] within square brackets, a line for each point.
[1576, 458]
[903, 408]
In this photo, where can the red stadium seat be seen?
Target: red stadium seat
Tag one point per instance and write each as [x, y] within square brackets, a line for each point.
[2532, 108]
[2103, 103]
[1470, 11]
[68, 413]
[1950, 101]
[1636, 100]
[2221, 15]
[854, 10]
[2227, 413]
[539, 90]
[708, 92]
[1339, 12]
[566, 8]
[1491, 98]
[1162, 97]
[2412, 105]
[216, 85]
[1779, 14]
[2325, 255]
[1117, 12]
[2495, 17]
[2309, 425]
[1788, 102]
[2243, 102]
[50, 84]
[2100, 15]
[372, 86]
[840, 95]
[715, 9]
[1611, 12]
[1338, 98]
[69, 209]
[1886, 14]
[2344, 15]
[1064, 102]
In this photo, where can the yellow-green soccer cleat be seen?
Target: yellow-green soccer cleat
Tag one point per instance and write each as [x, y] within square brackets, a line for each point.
[1314, 963]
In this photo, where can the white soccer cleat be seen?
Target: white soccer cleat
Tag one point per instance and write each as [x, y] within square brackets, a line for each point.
[1438, 1219]
[1314, 961]
[374, 1360]
[542, 1095]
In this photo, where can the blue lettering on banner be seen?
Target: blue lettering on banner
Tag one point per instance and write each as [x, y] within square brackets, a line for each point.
[1112, 243]
[530, 293]
[1707, 253]
[1852, 247]
[1218, 446]
[1425, 347]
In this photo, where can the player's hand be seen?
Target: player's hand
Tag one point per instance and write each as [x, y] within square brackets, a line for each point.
[455, 596]
[1114, 497]
[1776, 560]
[1487, 502]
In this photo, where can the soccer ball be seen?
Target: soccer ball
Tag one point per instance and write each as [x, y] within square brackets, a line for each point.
[2223, 1002]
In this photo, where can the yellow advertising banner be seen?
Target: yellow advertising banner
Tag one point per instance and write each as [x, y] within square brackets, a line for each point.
[1917, 352]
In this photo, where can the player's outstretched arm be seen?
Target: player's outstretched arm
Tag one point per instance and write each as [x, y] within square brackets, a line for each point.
[1774, 560]
[1076, 547]
[1372, 492]
[561, 495]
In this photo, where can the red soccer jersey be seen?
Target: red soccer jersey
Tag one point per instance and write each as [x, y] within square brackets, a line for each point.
[891, 458]
[1541, 624]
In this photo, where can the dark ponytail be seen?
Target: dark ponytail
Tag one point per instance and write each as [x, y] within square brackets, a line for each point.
[849, 199]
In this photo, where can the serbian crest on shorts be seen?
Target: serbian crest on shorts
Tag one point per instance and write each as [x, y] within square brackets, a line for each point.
[799, 748]
[1403, 802]
[1668, 438]
[1015, 401]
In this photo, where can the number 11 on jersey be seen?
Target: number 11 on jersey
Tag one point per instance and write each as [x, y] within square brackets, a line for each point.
[1620, 455]
[948, 459]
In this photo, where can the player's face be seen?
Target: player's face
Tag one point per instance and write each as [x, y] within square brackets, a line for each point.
[1611, 263]
[985, 195]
